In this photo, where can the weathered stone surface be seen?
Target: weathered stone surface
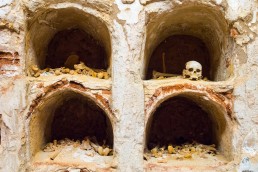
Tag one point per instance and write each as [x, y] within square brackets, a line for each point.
[129, 31]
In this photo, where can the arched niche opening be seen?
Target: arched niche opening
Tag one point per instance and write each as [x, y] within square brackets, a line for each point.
[185, 33]
[55, 35]
[189, 118]
[179, 120]
[75, 41]
[71, 117]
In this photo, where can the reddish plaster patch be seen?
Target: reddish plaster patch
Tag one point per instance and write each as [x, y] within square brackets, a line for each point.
[107, 92]
[7, 58]
[168, 90]
[8, 87]
[65, 84]
[40, 85]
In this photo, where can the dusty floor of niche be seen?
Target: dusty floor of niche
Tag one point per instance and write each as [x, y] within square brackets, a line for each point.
[193, 156]
[74, 156]
[169, 162]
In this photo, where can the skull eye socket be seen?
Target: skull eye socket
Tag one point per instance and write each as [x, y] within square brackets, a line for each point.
[190, 69]
[198, 70]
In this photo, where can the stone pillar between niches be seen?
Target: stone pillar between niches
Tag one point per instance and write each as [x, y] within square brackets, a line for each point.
[128, 93]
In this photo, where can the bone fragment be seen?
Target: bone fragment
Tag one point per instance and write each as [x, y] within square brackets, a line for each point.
[156, 75]
[34, 68]
[100, 75]
[54, 155]
[171, 149]
[106, 151]
[100, 150]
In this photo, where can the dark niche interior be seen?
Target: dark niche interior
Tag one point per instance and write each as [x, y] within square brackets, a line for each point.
[177, 50]
[76, 42]
[78, 118]
[179, 120]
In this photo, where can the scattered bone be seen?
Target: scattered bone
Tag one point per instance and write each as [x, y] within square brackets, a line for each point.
[49, 148]
[185, 151]
[171, 149]
[34, 71]
[65, 70]
[76, 144]
[54, 155]
[100, 75]
[57, 72]
[34, 68]
[47, 69]
[55, 143]
[86, 144]
[72, 72]
[95, 146]
[106, 151]
[61, 142]
[82, 66]
[100, 150]
[156, 152]
[37, 74]
[146, 156]
[75, 69]
[159, 75]
[90, 145]
[69, 142]
[106, 76]
[93, 74]
[188, 156]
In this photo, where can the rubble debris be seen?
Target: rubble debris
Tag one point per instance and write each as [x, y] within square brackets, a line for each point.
[79, 68]
[159, 75]
[185, 151]
[89, 144]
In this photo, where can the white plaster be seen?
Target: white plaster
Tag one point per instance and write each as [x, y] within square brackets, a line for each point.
[129, 12]
[5, 2]
[250, 144]
[254, 20]
[219, 1]
[252, 51]
[239, 8]
[128, 92]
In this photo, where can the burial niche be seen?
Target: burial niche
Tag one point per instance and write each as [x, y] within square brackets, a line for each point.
[174, 52]
[67, 121]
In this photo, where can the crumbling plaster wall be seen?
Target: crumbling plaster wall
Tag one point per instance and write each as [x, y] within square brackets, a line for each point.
[126, 22]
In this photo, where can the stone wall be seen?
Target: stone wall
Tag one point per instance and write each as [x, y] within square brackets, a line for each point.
[129, 31]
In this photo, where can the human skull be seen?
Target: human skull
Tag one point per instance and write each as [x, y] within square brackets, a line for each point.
[193, 70]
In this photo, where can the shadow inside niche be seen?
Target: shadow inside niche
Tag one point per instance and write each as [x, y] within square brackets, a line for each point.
[178, 121]
[76, 119]
[179, 49]
[78, 42]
